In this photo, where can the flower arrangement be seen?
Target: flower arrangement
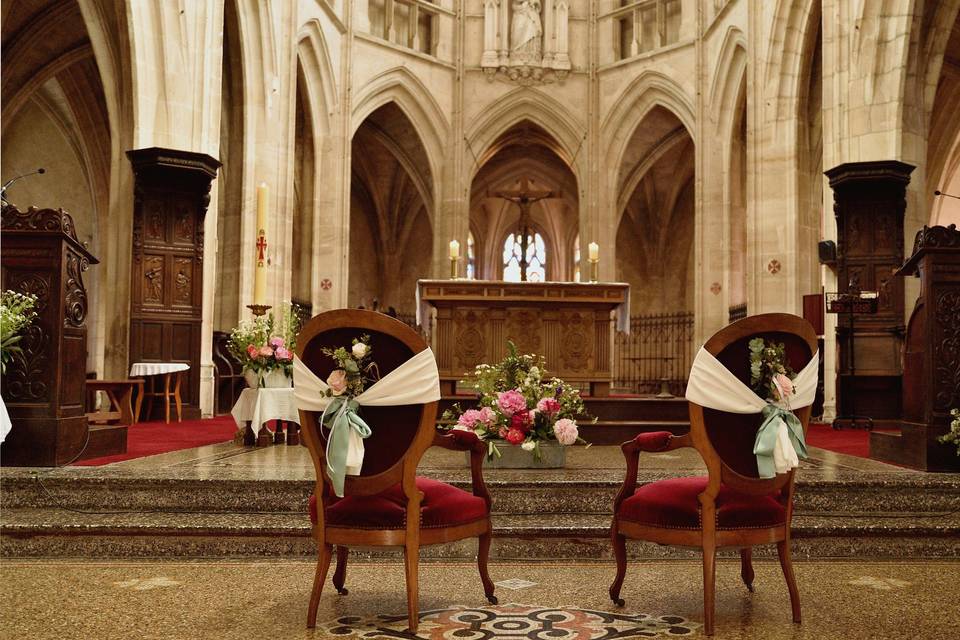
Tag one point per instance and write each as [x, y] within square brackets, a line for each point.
[770, 375]
[266, 343]
[355, 370]
[16, 313]
[954, 434]
[520, 405]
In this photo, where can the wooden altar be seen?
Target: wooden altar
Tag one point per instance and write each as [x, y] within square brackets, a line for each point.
[569, 323]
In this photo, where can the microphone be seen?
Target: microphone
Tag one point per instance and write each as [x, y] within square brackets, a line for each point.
[949, 195]
[3, 189]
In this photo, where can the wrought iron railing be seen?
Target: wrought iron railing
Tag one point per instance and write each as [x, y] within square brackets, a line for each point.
[737, 312]
[658, 350]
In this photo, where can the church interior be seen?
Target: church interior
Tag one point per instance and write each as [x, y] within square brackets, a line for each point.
[412, 285]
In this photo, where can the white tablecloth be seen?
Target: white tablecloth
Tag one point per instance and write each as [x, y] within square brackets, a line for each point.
[156, 368]
[265, 404]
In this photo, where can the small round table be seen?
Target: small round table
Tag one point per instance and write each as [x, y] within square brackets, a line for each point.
[169, 371]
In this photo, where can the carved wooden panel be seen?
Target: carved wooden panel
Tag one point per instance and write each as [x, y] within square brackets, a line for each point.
[946, 349]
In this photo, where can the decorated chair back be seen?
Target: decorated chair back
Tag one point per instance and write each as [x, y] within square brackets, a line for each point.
[726, 440]
[399, 434]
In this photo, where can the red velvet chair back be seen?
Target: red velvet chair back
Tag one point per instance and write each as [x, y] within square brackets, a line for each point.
[398, 432]
[731, 436]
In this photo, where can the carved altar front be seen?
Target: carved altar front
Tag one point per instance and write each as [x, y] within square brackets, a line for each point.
[569, 323]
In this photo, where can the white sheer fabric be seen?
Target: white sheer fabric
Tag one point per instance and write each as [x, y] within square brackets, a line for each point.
[416, 381]
[712, 385]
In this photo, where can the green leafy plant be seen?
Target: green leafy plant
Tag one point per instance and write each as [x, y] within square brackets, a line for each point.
[954, 434]
[770, 374]
[16, 313]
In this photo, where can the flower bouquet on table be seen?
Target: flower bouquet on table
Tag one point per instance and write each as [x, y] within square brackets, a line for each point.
[265, 345]
[16, 314]
[519, 406]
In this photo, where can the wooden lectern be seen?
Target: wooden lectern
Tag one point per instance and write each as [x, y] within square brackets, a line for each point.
[931, 357]
[568, 323]
[43, 387]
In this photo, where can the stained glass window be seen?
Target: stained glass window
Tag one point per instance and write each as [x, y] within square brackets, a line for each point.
[471, 258]
[576, 259]
[536, 258]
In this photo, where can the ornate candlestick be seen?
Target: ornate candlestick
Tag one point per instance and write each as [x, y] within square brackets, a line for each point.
[259, 309]
[454, 259]
[594, 270]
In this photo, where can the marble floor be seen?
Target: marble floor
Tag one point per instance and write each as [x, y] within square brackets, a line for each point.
[240, 600]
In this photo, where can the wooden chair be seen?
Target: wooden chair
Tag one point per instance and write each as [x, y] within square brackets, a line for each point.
[388, 504]
[731, 506]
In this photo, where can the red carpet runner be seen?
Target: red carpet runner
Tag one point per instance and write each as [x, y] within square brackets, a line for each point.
[853, 442]
[151, 438]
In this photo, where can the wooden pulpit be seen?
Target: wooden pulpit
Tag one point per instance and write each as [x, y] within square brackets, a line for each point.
[931, 357]
[569, 323]
[43, 386]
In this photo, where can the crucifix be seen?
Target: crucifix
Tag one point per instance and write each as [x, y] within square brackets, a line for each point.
[524, 197]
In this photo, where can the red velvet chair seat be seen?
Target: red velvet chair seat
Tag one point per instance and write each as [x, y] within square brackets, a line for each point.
[673, 504]
[443, 505]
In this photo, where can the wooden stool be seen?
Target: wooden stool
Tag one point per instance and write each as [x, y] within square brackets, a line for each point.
[120, 393]
[166, 394]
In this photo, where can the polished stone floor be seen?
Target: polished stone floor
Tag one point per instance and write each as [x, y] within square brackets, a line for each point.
[239, 600]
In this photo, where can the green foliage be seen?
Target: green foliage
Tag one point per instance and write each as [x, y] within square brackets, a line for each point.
[16, 313]
[767, 360]
[954, 434]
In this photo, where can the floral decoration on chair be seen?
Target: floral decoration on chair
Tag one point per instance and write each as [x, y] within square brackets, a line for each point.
[770, 375]
[355, 368]
[267, 343]
[520, 405]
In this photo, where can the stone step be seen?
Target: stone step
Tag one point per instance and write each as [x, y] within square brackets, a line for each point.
[61, 533]
[561, 491]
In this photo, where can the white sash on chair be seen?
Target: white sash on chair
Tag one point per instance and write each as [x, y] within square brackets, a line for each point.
[712, 385]
[416, 381]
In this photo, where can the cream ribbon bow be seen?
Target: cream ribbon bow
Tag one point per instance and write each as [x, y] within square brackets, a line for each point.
[416, 381]
[778, 443]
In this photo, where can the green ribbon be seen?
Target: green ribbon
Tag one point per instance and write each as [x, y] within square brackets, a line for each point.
[341, 416]
[767, 438]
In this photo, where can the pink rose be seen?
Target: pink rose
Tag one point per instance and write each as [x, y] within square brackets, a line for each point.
[549, 406]
[510, 402]
[337, 381]
[487, 416]
[252, 351]
[276, 342]
[784, 386]
[266, 352]
[469, 418]
[515, 436]
[282, 353]
[566, 431]
[520, 421]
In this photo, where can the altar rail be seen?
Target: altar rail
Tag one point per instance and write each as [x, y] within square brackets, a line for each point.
[658, 347]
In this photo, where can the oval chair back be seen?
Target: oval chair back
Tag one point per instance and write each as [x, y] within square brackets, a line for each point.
[400, 434]
[726, 440]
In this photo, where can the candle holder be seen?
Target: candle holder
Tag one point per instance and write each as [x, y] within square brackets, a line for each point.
[594, 270]
[259, 309]
[454, 268]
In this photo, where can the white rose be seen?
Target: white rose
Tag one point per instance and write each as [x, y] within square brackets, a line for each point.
[529, 445]
[360, 350]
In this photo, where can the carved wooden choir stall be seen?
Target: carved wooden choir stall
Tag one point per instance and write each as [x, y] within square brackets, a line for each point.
[931, 357]
[568, 322]
[43, 387]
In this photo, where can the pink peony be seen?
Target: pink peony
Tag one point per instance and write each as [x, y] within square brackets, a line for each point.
[252, 351]
[548, 406]
[515, 436]
[566, 431]
[282, 353]
[520, 421]
[266, 352]
[502, 432]
[487, 416]
[784, 386]
[337, 381]
[510, 402]
[276, 342]
[469, 418]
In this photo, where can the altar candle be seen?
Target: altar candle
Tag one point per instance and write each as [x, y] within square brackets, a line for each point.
[454, 249]
[594, 249]
[260, 273]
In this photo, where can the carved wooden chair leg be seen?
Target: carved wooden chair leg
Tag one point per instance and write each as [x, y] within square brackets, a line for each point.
[746, 567]
[483, 553]
[340, 575]
[411, 559]
[709, 579]
[323, 565]
[620, 552]
[786, 563]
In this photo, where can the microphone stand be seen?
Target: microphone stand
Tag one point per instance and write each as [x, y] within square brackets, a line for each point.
[6, 185]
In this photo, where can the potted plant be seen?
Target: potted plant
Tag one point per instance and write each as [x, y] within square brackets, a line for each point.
[16, 313]
[526, 418]
[265, 345]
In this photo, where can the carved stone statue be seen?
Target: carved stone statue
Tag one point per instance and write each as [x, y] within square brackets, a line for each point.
[526, 31]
